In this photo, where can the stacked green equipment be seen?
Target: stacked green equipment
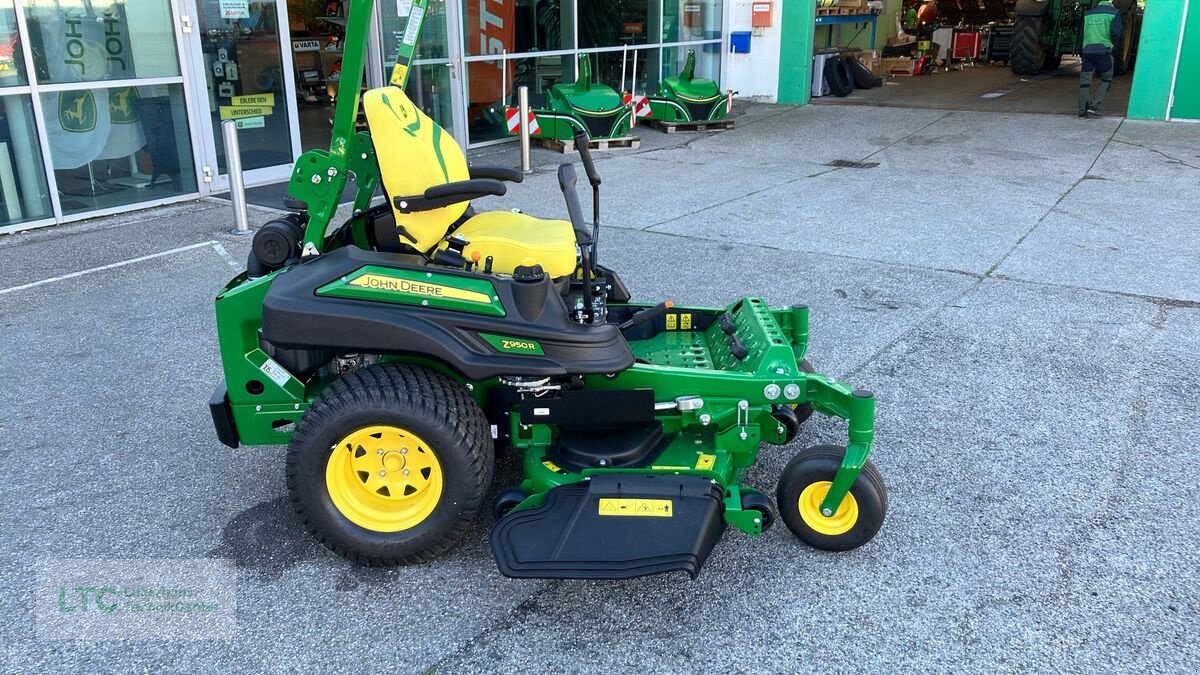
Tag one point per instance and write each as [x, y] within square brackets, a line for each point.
[595, 109]
[402, 353]
[687, 98]
[1045, 30]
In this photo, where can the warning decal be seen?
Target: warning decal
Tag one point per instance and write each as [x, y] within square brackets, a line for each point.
[660, 508]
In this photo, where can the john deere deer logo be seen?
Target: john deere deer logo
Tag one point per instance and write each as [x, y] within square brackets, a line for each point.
[77, 111]
[122, 105]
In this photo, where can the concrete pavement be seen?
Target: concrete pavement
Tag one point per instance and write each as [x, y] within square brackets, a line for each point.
[1022, 293]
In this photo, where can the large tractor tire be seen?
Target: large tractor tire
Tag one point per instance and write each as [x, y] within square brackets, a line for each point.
[1026, 54]
[390, 465]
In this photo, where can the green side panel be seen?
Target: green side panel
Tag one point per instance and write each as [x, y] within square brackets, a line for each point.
[414, 287]
[1187, 79]
[796, 51]
[512, 345]
[1152, 75]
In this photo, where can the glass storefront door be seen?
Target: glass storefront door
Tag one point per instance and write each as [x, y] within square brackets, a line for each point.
[434, 83]
[243, 55]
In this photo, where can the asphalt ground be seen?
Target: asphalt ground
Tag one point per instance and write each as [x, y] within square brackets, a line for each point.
[1021, 292]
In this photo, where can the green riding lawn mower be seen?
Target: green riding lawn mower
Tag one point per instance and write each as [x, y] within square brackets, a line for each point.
[399, 353]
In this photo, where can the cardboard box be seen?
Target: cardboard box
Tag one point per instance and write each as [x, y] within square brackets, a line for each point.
[872, 61]
[896, 66]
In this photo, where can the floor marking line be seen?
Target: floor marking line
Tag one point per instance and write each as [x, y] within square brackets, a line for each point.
[221, 251]
[103, 268]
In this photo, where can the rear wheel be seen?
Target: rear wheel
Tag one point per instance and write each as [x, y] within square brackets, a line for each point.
[390, 465]
[1026, 55]
[803, 485]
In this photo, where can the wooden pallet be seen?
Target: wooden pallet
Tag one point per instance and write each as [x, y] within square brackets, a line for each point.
[622, 143]
[701, 125]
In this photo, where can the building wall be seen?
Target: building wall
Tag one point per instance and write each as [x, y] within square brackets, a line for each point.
[1186, 96]
[1168, 62]
[757, 74]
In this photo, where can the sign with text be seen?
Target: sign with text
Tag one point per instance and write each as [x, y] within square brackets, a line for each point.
[255, 99]
[237, 112]
[235, 9]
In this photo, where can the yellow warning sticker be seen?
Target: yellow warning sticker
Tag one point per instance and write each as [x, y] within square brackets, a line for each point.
[706, 461]
[672, 321]
[611, 506]
[552, 466]
[685, 322]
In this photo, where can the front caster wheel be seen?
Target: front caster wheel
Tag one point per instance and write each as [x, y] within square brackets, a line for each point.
[805, 482]
[390, 465]
[754, 500]
[506, 501]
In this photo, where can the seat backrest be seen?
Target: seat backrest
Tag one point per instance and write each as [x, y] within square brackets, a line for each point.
[414, 154]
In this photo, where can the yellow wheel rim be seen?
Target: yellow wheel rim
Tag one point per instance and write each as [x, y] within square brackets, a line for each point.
[810, 510]
[384, 478]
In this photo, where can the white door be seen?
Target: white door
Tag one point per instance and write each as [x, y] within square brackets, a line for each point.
[240, 59]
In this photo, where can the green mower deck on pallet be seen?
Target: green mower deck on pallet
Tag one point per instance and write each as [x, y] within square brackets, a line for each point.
[401, 352]
[583, 106]
[687, 98]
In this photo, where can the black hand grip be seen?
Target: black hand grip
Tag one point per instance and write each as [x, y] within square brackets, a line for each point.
[585, 154]
[648, 314]
[566, 181]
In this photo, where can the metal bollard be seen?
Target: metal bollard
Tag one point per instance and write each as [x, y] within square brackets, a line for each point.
[523, 111]
[237, 187]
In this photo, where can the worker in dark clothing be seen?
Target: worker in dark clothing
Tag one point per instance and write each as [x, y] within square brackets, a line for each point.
[1101, 30]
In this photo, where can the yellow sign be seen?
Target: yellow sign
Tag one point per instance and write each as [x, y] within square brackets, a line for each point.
[659, 508]
[255, 99]
[552, 466]
[383, 283]
[399, 71]
[685, 322]
[232, 112]
[706, 461]
[672, 320]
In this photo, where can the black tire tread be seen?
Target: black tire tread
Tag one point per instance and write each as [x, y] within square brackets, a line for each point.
[428, 394]
[834, 453]
[1023, 50]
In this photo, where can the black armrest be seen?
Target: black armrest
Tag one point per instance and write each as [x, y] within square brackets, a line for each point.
[450, 193]
[497, 173]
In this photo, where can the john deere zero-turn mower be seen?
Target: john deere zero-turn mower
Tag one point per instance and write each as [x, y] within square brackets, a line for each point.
[398, 353]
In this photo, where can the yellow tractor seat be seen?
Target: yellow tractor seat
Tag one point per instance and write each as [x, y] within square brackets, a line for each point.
[514, 239]
[429, 185]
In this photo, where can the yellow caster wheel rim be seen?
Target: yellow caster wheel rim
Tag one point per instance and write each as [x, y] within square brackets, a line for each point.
[810, 510]
[384, 478]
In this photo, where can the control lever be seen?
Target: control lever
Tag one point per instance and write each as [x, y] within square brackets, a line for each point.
[589, 167]
[566, 181]
[648, 314]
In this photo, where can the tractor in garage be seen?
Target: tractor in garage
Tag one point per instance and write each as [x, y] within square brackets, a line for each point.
[1045, 30]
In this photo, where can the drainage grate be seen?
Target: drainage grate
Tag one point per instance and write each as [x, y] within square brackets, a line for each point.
[847, 164]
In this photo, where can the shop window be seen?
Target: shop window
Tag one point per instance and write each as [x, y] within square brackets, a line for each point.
[606, 69]
[494, 27]
[433, 41]
[23, 192]
[119, 40]
[486, 97]
[609, 23]
[688, 20]
[12, 58]
[116, 146]
[429, 88]
[708, 60]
